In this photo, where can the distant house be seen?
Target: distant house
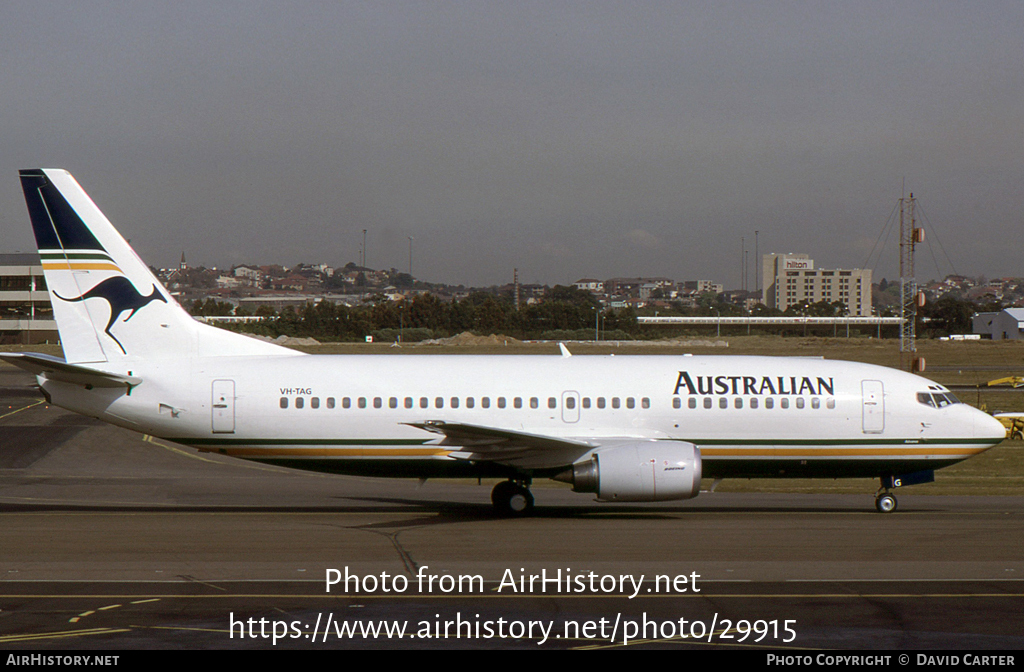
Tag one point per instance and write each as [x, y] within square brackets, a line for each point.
[1006, 324]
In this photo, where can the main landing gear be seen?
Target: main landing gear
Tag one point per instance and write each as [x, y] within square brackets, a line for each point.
[512, 498]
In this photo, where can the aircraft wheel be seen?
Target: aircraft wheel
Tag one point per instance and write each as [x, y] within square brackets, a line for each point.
[512, 499]
[501, 492]
[885, 503]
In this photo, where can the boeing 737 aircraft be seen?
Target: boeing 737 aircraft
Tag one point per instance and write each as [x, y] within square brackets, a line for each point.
[628, 429]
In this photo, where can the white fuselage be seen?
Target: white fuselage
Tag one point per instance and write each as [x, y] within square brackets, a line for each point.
[749, 416]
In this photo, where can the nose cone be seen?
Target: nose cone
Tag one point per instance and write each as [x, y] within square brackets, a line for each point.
[987, 427]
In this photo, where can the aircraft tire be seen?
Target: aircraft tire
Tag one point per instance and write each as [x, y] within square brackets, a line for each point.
[885, 503]
[511, 499]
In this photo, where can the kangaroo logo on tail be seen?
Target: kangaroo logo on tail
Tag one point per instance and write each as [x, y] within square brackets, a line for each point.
[121, 295]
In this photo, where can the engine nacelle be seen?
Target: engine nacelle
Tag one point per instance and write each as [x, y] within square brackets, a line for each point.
[647, 471]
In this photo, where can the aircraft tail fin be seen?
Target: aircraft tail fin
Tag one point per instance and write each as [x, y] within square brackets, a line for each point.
[107, 303]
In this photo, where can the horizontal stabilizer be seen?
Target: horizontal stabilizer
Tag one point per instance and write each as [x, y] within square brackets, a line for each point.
[55, 368]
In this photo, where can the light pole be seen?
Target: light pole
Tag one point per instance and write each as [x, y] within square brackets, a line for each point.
[410, 256]
[757, 273]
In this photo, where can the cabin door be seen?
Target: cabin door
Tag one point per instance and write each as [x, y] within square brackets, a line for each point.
[873, 405]
[223, 406]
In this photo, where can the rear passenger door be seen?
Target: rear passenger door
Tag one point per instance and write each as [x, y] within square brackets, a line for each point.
[223, 406]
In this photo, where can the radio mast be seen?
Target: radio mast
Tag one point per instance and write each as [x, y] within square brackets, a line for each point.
[910, 298]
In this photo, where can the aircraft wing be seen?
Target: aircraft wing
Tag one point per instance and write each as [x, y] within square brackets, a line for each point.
[55, 368]
[516, 449]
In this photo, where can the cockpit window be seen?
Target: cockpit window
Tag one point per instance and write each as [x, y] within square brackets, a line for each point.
[937, 399]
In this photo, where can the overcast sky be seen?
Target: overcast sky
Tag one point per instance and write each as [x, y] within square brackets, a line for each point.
[568, 139]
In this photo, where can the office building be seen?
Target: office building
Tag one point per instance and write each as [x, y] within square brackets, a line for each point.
[790, 279]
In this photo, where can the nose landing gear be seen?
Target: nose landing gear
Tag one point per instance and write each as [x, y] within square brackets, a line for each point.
[885, 501]
[512, 498]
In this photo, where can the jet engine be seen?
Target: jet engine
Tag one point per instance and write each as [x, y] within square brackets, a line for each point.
[646, 471]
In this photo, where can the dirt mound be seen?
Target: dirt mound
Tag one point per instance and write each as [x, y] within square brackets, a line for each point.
[286, 340]
[468, 338]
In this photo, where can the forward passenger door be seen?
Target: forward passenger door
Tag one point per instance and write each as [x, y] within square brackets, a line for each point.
[873, 404]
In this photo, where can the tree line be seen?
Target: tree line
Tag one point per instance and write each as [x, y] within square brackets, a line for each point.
[565, 313]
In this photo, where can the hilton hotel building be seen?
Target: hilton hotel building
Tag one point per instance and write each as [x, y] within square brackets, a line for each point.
[792, 278]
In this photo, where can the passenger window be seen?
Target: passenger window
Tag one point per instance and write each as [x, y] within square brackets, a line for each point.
[738, 402]
[314, 402]
[485, 402]
[299, 402]
[470, 402]
[692, 403]
[645, 403]
[600, 402]
[784, 402]
[408, 402]
[753, 402]
[570, 403]
[534, 402]
[586, 402]
[677, 402]
[501, 402]
[393, 402]
[830, 403]
[799, 402]
[769, 403]
[362, 402]
[284, 402]
[723, 402]
[424, 402]
[708, 402]
[378, 402]
[552, 402]
[815, 403]
[439, 402]
[615, 402]
[518, 402]
[330, 402]
[346, 402]
[454, 403]
[630, 402]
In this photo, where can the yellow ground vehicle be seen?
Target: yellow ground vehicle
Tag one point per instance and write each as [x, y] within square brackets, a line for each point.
[1014, 423]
